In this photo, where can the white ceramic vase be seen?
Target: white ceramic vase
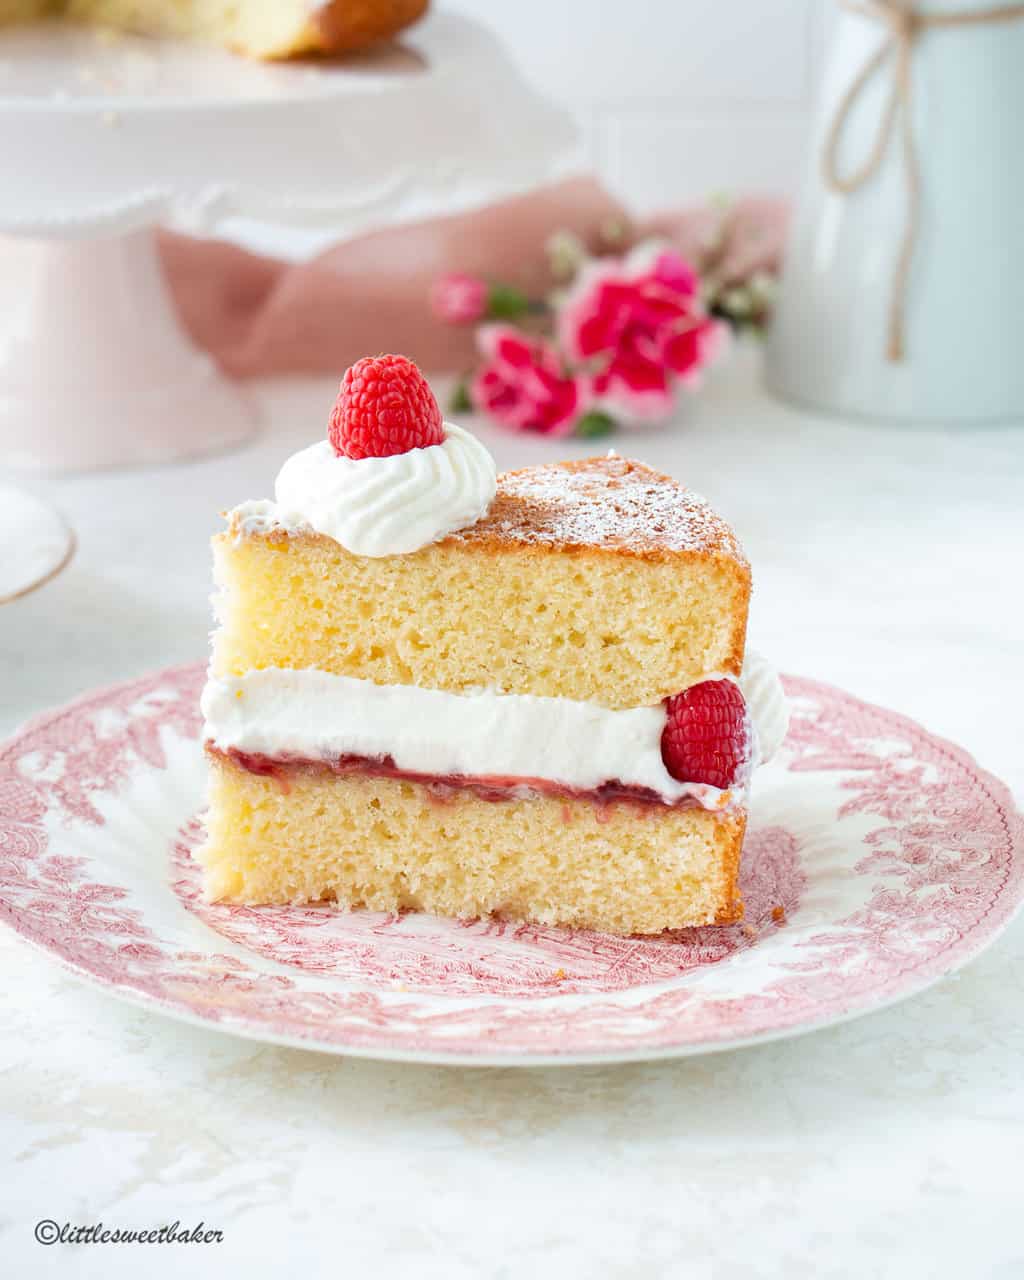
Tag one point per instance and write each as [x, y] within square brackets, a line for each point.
[964, 292]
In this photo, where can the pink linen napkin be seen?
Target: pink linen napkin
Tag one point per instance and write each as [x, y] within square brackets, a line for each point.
[260, 316]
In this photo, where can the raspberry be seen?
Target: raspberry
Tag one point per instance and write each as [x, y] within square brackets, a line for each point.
[706, 738]
[384, 407]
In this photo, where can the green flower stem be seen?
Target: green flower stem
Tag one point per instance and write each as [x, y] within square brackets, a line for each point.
[460, 401]
[595, 424]
[506, 303]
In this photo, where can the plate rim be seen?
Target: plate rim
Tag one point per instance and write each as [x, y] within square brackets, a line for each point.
[518, 1059]
[58, 567]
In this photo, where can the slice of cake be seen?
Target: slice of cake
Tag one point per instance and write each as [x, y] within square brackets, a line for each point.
[258, 28]
[437, 689]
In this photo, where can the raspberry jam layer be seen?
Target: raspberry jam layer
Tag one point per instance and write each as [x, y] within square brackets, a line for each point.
[442, 786]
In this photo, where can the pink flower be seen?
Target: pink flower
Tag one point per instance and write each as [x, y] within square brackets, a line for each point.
[522, 385]
[638, 324]
[458, 298]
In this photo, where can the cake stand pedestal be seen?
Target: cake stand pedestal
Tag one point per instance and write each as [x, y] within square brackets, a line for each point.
[104, 138]
[94, 367]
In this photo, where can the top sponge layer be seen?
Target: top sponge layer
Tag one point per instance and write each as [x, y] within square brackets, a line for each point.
[599, 580]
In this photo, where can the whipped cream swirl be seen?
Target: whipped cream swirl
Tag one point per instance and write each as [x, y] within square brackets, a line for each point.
[387, 506]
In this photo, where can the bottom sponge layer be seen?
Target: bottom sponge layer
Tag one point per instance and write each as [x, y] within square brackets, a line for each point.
[306, 834]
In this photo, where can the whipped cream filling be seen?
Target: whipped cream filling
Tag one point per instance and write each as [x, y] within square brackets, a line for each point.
[314, 715]
[380, 506]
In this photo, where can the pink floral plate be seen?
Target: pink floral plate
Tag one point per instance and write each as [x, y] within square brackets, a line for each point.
[879, 858]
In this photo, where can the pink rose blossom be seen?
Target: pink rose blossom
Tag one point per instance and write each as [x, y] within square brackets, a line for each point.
[522, 384]
[638, 325]
[458, 298]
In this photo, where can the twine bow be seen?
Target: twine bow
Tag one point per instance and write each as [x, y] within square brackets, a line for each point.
[903, 24]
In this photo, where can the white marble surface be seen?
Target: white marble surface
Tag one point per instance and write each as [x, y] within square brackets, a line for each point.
[886, 561]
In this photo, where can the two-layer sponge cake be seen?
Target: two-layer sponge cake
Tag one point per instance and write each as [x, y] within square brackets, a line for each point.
[436, 689]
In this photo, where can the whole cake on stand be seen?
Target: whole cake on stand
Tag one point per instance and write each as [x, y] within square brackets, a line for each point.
[94, 368]
[256, 28]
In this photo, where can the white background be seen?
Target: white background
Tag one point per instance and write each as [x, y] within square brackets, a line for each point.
[677, 98]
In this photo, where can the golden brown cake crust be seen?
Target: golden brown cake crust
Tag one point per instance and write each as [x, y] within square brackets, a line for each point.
[342, 26]
[731, 910]
[610, 504]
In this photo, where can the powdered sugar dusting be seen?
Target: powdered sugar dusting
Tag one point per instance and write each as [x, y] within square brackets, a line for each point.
[609, 502]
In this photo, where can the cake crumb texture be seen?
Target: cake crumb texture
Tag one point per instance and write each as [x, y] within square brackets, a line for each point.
[389, 845]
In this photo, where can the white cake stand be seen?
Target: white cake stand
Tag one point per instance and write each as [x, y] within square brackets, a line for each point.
[102, 138]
